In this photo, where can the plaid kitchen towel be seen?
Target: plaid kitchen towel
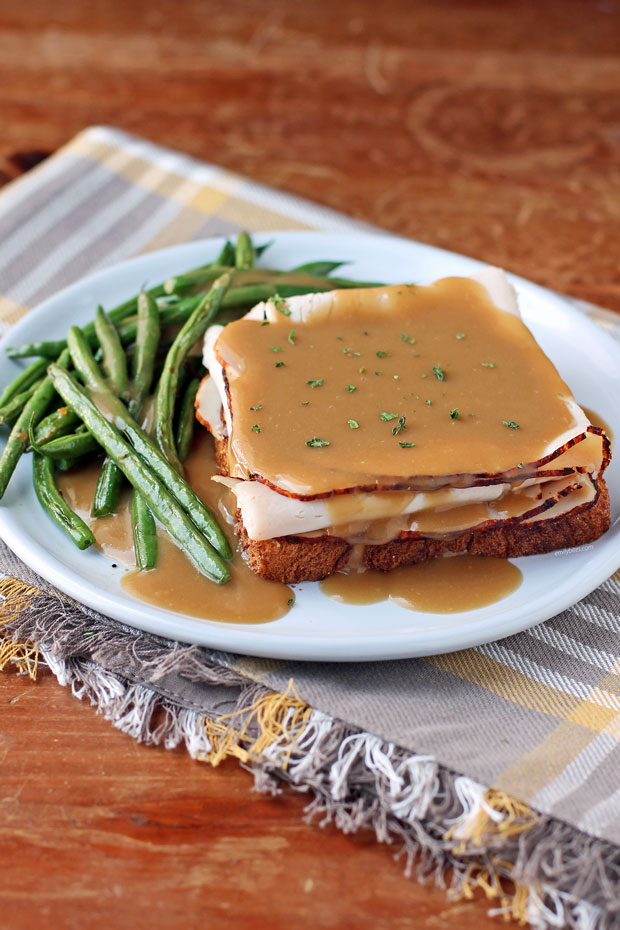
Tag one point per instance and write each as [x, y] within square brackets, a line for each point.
[494, 767]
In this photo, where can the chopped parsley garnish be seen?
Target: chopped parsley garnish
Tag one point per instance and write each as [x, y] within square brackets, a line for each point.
[317, 383]
[256, 428]
[424, 375]
[341, 338]
[276, 348]
[350, 352]
[291, 337]
[400, 426]
[382, 354]
[316, 443]
[388, 416]
[279, 364]
[460, 336]
[520, 465]
[378, 372]
[280, 304]
[290, 601]
[265, 323]
[407, 338]
[305, 403]
[353, 424]
[511, 424]
[488, 364]
[362, 370]
[454, 413]
[350, 388]
[439, 373]
[406, 445]
[257, 407]
[428, 402]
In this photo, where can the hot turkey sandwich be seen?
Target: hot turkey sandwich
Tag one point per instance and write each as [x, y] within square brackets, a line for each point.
[390, 425]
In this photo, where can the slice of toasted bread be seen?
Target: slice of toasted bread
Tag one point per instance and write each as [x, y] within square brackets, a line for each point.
[294, 559]
[293, 525]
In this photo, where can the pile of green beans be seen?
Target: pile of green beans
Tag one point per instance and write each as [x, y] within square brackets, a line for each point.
[110, 371]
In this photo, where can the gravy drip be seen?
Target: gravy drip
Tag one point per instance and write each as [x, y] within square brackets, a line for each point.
[174, 583]
[445, 585]
[390, 383]
[597, 420]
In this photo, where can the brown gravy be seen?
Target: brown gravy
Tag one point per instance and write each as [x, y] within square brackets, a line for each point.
[597, 420]
[439, 586]
[389, 383]
[443, 585]
[175, 584]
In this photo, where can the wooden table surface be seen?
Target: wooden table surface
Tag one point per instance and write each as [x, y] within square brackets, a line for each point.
[489, 128]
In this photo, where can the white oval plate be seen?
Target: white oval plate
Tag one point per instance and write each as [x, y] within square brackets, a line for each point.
[318, 628]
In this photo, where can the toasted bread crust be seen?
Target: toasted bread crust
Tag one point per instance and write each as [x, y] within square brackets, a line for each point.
[293, 559]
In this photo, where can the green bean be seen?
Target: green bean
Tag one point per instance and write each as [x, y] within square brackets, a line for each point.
[122, 311]
[33, 411]
[181, 283]
[54, 504]
[52, 348]
[179, 312]
[186, 420]
[114, 409]
[186, 339]
[236, 298]
[263, 248]
[107, 489]
[241, 296]
[48, 350]
[110, 480]
[245, 253]
[23, 381]
[114, 360]
[349, 283]
[66, 464]
[144, 532]
[227, 255]
[147, 341]
[319, 269]
[11, 410]
[244, 296]
[73, 445]
[242, 257]
[57, 423]
[161, 503]
[252, 294]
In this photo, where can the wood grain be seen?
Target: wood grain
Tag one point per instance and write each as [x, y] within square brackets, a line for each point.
[98, 831]
[488, 128]
[492, 129]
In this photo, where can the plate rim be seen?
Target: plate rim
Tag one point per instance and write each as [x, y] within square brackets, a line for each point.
[238, 637]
